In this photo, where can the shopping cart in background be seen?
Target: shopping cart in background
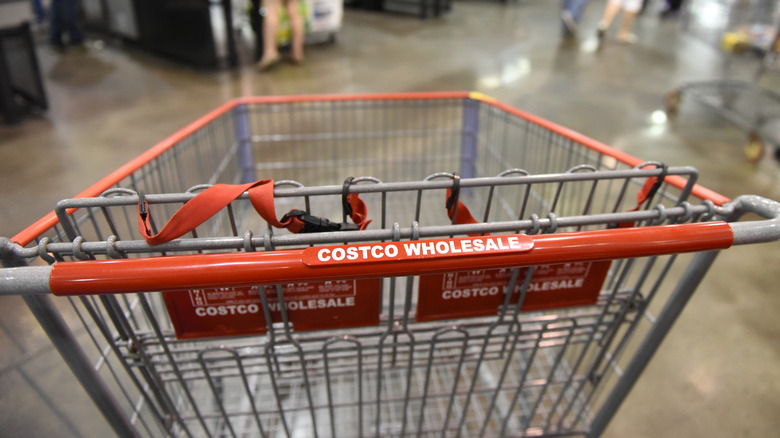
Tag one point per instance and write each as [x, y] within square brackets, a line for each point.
[485, 273]
[747, 31]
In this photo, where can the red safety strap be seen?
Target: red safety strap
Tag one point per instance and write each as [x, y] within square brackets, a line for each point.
[648, 190]
[359, 211]
[462, 215]
[212, 200]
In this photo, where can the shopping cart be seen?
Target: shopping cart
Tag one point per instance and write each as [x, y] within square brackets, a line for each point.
[743, 30]
[514, 279]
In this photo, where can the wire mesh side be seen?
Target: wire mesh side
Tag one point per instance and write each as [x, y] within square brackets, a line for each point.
[317, 143]
[522, 374]
[390, 140]
[406, 140]
[434, 381]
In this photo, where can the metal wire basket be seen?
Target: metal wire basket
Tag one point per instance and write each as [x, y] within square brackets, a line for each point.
[533, 317]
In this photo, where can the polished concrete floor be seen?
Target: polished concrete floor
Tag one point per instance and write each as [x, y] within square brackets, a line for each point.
[718, 374]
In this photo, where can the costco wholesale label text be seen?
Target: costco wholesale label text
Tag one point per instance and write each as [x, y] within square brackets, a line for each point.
[418, 249]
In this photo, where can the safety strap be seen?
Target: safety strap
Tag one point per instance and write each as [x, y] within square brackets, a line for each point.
[648, 190]
[261, 194]
[457, 211]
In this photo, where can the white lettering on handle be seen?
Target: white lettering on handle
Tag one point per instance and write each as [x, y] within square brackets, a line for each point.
[418, 249]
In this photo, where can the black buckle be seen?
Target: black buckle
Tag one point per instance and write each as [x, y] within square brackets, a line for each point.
[143, 211]
[344, 202]
[314, 224]
[455, 195]
[659, 181]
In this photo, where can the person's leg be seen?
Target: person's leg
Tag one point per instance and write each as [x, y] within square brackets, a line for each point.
[270, 27]
[577, 7]
[71, 23]
[613, 7]
[256, 20]
[630, 10]
[624, 33]
[55, 20]
[40, 15]
[298, 30]
[568, 22]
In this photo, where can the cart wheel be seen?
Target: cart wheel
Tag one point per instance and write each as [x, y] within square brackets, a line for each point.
[777, 153]
[671, 102]
[754, 148]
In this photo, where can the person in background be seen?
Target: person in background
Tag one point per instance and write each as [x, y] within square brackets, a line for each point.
[571, 13]
[64, 20]
[271, 55]
[671, 8]
[630, 9]
[37, 8]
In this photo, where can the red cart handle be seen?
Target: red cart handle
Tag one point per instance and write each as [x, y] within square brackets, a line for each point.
[261, 195]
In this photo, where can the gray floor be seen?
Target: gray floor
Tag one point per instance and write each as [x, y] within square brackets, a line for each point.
[719, 372]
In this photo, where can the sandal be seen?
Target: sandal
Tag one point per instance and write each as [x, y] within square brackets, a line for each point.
[628, 38]
[267, 63]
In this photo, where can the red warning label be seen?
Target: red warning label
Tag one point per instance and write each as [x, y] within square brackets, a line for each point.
[479, 293]
[238, 311]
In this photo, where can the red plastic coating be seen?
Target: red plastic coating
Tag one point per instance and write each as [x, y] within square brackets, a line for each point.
[272, 267]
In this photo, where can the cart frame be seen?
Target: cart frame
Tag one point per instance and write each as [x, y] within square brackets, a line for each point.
[120, 274]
